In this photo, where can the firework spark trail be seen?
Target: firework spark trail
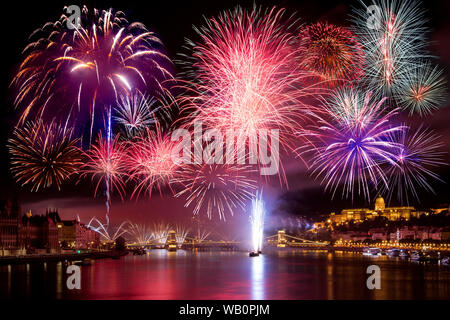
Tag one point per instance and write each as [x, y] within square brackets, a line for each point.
[245, 74]
[105, 230]
[140, 233]
[331, 53]
[421, 152]
[161, 232]
[350, 150]
[180, 234]
[257, 222]
[202, 235]
[108, 160]
[66, 72]
[43, 155]
[149, 161]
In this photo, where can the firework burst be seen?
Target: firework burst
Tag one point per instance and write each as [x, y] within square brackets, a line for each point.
[136, 112]
[245, 74]
[351, 108]
[331, 53]
[181, 234]
[351, 152]
[43, 155]
[217, 188]
[394, 43]
[420, 153]
[105, 164]
[150, 162]
[73, 73]
[423, 90]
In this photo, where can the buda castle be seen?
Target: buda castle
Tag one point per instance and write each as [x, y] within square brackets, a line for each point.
[380, 210]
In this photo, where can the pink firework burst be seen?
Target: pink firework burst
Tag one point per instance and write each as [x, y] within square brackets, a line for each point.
[149, 161]
[245, 74]
[105, 162]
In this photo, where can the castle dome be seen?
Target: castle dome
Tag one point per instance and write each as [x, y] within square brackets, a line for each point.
[379, 204]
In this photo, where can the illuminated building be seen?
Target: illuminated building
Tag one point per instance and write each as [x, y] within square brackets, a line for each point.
[380, 210]
[10, 226]
[420, 233]
[40, 231]
[75, 235]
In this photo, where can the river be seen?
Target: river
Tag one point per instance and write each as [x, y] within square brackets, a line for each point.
[282, 274]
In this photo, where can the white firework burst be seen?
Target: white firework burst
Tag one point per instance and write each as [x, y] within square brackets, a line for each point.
[423, 90]
[136, 112]
[393, 34]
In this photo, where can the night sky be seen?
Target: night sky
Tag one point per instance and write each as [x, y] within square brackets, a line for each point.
[173, 22]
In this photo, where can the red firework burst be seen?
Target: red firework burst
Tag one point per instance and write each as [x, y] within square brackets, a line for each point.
[332, 53]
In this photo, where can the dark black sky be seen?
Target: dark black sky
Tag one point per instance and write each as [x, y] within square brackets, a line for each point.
[173, 21]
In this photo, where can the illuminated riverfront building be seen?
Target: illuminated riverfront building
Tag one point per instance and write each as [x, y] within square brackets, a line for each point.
[10, 226]
[380, 210]
[75, 235]
[40, 231]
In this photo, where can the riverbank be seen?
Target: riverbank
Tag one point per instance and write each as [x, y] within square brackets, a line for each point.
[56, 257]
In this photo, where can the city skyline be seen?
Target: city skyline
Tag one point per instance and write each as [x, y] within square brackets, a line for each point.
[301, 184]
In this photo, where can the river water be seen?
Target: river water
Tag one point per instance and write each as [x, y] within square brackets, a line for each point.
[284, 274]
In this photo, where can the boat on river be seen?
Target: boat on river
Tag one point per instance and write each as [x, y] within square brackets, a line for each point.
[445, 261]
[394, 252]
[418, 256]
[372, 252]
[403, 254]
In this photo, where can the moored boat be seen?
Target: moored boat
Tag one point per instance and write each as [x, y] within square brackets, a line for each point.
[394, 252]
[84, 262]
[172, 247]
[445, 261]
[139, 252]
[418, 256]
[372, 252]
[403, 254]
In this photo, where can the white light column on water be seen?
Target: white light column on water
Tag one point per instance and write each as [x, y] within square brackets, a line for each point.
[108, 178]
[257, 222]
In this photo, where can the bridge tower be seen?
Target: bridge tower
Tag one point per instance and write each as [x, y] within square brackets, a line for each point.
[171, 242]
[281, 243]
